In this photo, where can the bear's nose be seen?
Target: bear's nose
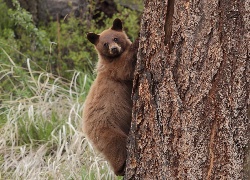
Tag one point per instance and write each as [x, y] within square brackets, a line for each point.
[114, 49]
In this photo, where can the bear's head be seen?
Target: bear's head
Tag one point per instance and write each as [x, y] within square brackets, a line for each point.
[111, 43]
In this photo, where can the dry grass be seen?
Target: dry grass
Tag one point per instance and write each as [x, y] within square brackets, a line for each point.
[40, 126]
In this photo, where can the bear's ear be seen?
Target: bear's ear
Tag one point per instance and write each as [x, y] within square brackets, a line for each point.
[117, 25]
[92, 37]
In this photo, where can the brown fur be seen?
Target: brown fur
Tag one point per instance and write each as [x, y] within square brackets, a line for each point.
[108, 107]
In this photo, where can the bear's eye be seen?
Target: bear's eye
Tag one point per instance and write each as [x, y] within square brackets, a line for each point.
[115, 39]
[105, 45]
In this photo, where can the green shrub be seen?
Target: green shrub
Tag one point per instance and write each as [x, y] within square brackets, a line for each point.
[60, 46]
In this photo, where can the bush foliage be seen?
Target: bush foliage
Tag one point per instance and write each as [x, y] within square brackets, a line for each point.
[59, 46]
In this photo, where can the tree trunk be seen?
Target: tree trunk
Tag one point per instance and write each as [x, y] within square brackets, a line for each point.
[191, 91]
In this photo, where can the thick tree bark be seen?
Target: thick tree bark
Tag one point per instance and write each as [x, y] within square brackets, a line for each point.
[191, 91]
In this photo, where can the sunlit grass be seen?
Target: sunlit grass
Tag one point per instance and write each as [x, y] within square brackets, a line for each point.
[40, 126]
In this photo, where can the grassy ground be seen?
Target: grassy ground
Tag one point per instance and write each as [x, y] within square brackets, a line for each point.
[40, 126]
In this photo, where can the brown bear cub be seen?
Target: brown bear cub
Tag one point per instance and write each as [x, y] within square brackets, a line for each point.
[108, 107]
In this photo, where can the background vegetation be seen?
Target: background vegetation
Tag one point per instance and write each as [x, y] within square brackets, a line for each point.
[45, 74]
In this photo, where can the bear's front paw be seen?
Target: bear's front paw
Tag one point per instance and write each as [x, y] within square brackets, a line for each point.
[135, 45]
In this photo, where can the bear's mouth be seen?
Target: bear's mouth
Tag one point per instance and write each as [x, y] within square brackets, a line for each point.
[113, 56]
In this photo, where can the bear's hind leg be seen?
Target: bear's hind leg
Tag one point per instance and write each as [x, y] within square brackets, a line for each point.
[115, 151]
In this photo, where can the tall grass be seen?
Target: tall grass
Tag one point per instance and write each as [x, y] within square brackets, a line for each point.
[40, 125]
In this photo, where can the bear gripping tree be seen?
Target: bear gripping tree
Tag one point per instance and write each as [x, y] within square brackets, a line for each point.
[191, 91]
